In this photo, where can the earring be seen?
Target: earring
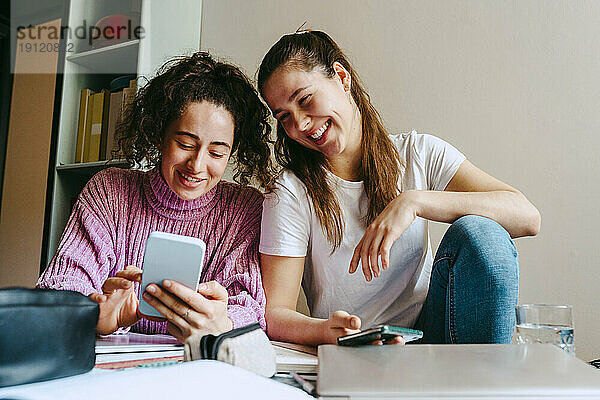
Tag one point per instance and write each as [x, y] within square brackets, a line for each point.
[347, 84]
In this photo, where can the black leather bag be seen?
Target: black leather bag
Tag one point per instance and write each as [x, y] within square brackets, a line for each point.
[45, 334]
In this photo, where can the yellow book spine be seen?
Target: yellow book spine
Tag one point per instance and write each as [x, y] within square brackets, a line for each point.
[96, 127]
[88, 128]
[83, 111]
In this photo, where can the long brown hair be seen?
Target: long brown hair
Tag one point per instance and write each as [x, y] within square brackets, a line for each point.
[380, 163]
[198, 78]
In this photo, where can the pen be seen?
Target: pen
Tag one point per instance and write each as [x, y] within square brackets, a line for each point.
[304, 384]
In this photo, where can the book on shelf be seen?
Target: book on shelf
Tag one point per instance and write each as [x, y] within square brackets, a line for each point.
[103, 134]
[88, 128]
[114, 113]
[129, 94]
[99, 114]
[83, 110]
[94, 122]
[119, 102]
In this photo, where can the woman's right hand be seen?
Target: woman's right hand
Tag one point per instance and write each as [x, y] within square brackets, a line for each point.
[339, 324]
[118, 301]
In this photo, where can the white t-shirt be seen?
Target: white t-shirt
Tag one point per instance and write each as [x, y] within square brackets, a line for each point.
[290, 228]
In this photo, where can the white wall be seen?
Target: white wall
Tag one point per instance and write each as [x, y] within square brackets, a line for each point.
[515, 85]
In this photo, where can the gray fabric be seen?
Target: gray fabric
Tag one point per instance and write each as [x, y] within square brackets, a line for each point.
[191, 348]
[251, 351]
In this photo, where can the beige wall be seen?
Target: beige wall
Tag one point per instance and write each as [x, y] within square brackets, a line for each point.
[26, 168]
[515, 85]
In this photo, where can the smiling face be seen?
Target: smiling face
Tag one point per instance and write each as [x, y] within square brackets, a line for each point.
[196, 149]
[316, 111]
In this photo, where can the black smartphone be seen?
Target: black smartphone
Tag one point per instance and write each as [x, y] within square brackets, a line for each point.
[379, 332]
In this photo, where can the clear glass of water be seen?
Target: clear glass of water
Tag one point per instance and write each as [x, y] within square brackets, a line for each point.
[546, 323]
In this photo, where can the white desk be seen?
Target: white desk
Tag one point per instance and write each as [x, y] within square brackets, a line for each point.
[416, 371]
[192, 380]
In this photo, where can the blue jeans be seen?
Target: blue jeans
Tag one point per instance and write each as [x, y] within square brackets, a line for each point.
[474, 285]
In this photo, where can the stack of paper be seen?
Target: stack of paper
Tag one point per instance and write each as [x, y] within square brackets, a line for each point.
[122, 351]
[295, 357]
[119, 349]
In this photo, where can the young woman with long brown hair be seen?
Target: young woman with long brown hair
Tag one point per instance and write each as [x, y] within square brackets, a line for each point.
[352, 196]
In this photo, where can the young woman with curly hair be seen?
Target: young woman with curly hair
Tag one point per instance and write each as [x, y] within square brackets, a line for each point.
[353, 197]
[187, 123]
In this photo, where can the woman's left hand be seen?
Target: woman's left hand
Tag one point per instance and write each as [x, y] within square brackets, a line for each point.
[189, 312]
[381, 235]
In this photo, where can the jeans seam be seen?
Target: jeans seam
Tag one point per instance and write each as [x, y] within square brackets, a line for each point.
[451, 308]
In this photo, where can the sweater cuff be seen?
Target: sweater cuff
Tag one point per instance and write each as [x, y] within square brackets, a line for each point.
[64, 282]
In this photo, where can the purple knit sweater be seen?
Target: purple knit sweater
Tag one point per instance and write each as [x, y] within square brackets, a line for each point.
[117, 210]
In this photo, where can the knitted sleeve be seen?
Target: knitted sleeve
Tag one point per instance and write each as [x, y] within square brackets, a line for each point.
[239, 270]
[85, 255]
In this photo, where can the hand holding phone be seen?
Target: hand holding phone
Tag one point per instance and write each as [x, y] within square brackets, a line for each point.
[379, 332]
[174, 257]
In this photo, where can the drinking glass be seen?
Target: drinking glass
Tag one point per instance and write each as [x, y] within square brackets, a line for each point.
[546, 323]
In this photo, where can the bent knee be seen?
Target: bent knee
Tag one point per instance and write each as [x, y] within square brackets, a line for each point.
[488, 246]
[476, 225]
[481, 232]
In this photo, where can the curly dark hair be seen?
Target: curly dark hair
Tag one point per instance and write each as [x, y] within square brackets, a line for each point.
[197, 78]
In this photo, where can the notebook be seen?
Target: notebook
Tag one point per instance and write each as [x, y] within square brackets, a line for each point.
[136, 342]
[295, 357]
[501, 371]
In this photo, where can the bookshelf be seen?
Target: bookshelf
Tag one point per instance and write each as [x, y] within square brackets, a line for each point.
[169, 29]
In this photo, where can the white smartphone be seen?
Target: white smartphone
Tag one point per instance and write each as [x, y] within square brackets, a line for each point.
[174, 257]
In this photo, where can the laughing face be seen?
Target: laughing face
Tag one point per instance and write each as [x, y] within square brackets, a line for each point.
[196, 149]
[315, 111]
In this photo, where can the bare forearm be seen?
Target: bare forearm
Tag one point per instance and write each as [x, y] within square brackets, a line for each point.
[510, 209]
[289, 325]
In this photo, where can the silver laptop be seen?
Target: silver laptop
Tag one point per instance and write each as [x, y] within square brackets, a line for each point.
[500, 371]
